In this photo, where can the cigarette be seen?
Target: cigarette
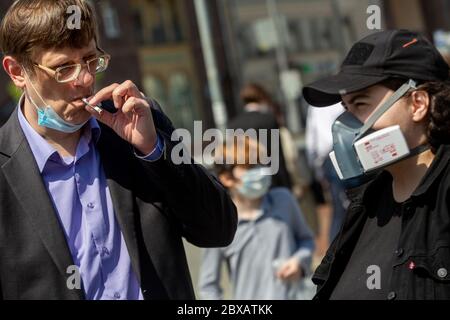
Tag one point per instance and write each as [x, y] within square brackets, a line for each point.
[96, 108]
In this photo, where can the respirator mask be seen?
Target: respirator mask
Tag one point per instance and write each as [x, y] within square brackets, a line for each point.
[360, 153]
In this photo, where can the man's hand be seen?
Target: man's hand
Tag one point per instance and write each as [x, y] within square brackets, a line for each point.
[290, 270]
[133, 122]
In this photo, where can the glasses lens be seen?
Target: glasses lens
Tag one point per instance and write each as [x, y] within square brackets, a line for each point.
[65, 74]
[98, 65]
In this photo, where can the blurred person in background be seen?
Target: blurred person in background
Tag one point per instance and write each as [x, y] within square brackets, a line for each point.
[272, 249]
[328, 189]
[260, 112]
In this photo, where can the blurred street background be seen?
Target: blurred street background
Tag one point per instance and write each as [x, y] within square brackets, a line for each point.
[194, 56]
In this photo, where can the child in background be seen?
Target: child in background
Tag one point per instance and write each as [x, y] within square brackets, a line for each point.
[272, 249]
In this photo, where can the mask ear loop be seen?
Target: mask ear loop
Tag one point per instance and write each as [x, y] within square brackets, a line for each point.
[411, 84]
[34, 88]
[32, 101]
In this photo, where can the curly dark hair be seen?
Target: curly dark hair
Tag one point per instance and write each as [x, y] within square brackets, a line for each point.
[438, 128]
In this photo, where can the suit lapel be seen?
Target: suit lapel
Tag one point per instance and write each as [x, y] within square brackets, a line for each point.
[23, 176]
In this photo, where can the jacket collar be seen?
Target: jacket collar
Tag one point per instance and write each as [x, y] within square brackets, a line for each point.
[434, 172]
[440, 162]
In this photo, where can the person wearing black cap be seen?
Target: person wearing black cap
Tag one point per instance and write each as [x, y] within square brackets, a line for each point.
[392, 149]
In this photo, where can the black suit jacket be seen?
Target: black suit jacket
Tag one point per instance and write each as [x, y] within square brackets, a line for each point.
[156, 204]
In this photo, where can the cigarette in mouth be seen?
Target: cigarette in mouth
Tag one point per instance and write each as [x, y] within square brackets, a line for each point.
[96, 108]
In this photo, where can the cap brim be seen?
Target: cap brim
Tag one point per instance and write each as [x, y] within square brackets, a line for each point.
[328, 91]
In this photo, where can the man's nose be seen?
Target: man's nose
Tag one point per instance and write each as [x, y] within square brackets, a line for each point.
[84, 79]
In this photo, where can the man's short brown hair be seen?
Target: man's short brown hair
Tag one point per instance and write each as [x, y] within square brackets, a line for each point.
[33, 25]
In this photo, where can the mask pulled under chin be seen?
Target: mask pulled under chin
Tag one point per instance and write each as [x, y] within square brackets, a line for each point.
[47, 116]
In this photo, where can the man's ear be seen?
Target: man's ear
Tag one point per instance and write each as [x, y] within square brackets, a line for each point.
[420, 104]
[226, 178]
[15, 71]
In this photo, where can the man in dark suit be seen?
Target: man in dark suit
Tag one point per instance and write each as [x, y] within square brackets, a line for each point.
[91, 205]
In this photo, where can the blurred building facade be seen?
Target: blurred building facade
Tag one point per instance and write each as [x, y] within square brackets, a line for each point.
[281, 44]
[170, 58]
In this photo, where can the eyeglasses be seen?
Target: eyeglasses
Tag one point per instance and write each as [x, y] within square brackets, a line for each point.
[70, 73]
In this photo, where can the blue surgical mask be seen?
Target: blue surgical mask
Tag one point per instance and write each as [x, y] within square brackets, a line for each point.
[255, 183]
[47, 117]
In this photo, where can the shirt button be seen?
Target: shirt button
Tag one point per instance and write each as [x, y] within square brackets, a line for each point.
[105, 251]
[91, 205]
[117, 295]
[77, 177]
[392, 295]
[442, 273]
[399, 252]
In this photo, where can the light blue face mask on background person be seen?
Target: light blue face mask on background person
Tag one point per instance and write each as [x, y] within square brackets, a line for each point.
[47, 117]
[255, 183]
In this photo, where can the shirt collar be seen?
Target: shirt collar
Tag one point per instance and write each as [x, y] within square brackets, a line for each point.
[440, 162]
[92, 130]
[266, 205]
[40, 148]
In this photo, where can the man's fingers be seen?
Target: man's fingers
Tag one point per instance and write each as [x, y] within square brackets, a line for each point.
[134, 105]
[123, 92]
[105, 117]
[119, 93]
[104, 94]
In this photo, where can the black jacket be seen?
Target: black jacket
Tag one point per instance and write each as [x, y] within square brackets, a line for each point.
[421, 268]
[156, 204]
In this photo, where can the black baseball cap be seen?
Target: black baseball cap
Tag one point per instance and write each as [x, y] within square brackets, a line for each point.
[375, 58]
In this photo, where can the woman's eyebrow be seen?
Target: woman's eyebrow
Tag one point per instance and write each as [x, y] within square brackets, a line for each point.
[358, 96]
